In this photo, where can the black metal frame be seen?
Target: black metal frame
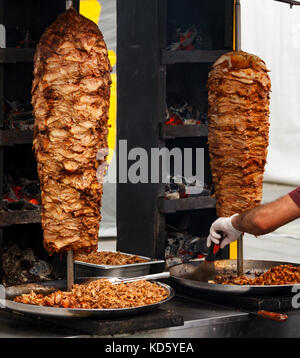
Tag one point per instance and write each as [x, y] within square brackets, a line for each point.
[142, 69]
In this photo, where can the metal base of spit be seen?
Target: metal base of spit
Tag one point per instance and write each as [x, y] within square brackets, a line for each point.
[203, 319]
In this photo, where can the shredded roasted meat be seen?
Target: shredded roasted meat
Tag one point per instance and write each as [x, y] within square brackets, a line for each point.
[100, 294]
[108, 258]
[70, 98]
[279, 275]
[238, 98]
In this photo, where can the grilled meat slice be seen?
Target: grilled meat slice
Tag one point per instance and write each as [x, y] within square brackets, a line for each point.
[70, 98]
[238, 98]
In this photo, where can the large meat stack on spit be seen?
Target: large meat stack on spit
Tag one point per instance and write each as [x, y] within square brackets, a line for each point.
[238, 98]
[70, 97]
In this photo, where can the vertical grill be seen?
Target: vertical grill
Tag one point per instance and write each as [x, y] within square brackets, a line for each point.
[23, 258]
[155, 72]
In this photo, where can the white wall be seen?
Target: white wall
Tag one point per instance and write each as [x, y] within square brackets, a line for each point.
[271, 30]
[108, 26]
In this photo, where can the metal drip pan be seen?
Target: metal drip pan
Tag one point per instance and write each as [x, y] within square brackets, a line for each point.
[85, 269]
[229, 267]
[48, 287]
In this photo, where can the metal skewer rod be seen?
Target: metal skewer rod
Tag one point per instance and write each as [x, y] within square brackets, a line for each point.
[70, 270]
[238, 45]
[240, 256]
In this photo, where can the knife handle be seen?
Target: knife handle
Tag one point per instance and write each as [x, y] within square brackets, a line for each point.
[275, 316]
[211, 253]
[213, 249]
[216, 248]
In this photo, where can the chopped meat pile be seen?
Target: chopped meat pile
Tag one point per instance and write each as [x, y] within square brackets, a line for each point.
[279, 275]
[100, 294]
[70, 98]
[108, 258]
[238, 98]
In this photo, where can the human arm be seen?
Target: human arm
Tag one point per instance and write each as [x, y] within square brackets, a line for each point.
[257, 221]
[267, 217]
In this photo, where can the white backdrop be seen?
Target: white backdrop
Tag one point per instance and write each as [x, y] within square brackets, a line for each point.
[108, 26]
[271, 30]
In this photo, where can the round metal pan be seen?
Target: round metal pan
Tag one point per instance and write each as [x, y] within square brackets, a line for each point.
[229, 267]
[49, 287]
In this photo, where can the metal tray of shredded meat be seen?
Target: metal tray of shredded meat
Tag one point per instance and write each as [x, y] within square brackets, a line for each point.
[49, 287]
[86, 269]
[224, 267]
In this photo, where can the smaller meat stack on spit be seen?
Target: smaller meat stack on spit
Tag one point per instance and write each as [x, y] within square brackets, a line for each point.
[238, 129]
[70, 97]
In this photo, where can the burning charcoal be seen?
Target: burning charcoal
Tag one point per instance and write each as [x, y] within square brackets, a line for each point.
[18, 115]
[176, 183]
[172, 191]
[41, 268]
[20, 38]
[31, 190]
[172, 195]
[190, 39]
[20, 194]
[196, 245]
[186, 39]
[30, 206]
[188, 115]
[15, 205]
[172, 247]
[186, 187]
[9, 193]
[196, 188]
[27, 42]
[17, 264]
[184, 247]
[180, 112]
[203, 41]
[20, 205]
[173, 118]
[173, 261]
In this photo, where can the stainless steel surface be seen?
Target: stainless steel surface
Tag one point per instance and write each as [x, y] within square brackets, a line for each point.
[73, 312]
[70, 270]
[204, 320]
[178, 273]
[84, 269]
[201, 319]
[240, 256]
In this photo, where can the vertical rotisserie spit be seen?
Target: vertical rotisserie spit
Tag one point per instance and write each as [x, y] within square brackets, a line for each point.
[238, 130]
[70, 97]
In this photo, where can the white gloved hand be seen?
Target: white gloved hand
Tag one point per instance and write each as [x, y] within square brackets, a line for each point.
[224, 226]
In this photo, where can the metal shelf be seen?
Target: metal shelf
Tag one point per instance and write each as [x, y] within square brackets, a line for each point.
[14, 55]
[11, 137]
[8, 218]
[183, 131]
[192, 56]
[193, 203]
